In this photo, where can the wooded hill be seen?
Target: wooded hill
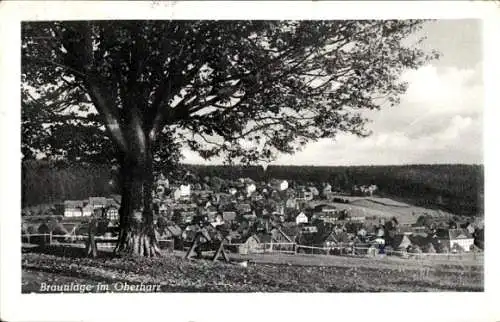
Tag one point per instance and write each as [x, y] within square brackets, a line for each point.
[455, 188]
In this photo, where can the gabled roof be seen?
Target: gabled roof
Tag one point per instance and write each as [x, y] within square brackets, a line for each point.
[73, 203]
[453, 234]
[290, 230]
[400, 241]
[287, 237]
[337, 237]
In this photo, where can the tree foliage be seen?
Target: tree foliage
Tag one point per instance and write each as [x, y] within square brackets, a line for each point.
[243, 89]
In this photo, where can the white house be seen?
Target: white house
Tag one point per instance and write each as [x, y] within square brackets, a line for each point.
[112, 213]
[251, 189]
[87, 210]
[283, 185]
[73, 208]
[456, 237]
[185, 190]
[301, 219]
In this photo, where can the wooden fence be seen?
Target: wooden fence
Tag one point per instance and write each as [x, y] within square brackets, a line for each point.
[263, 248]
[345, 250]
[72, 240]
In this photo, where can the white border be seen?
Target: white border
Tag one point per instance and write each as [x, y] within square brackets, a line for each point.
[235, 307]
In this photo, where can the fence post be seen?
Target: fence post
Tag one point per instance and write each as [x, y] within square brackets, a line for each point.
[50, 238]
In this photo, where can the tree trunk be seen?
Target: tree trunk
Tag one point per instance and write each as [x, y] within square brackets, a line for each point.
[137, 230]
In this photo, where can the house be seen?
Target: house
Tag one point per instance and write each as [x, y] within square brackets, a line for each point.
[279, 236]
[185, 191]
[459, 239]
[314, 191]
[73, 208]
[218, 220]
[250, 189]
[112, 213]
[187, 216]
[304, 195]
[357, 218]
[98, 202]
[400, 242]
[279, 185]
[256, 243]
[301, 218]
[326, 209]
[336, 238]
[250, 216]
[244, 208]
[327, 191]
[291, 203]
[309, 229]
[229, 216]
[87, 210]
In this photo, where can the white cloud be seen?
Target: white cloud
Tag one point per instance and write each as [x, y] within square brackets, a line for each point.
[439, 120]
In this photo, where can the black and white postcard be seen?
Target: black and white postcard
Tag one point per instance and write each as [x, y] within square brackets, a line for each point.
[214, 160]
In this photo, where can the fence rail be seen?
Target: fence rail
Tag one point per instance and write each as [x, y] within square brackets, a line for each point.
[286, 248]
[349, 250]
[103, 241]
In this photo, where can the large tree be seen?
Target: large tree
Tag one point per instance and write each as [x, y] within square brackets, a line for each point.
[133, 91]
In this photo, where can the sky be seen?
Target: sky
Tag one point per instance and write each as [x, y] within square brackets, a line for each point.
[439, 119]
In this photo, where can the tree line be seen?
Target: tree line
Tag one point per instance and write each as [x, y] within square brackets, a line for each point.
[458, 189]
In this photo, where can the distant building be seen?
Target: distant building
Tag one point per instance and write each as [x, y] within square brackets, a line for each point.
[455, 237]
[301, 218]
[98, 202]
[73, 208]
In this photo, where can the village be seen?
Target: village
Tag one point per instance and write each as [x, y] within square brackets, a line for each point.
[280, 216]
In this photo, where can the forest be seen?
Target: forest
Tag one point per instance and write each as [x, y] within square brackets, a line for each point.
[456, 188]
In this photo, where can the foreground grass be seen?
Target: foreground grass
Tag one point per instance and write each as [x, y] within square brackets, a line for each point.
[263, 274]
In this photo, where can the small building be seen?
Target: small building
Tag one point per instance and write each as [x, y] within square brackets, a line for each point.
[73, 208]
[455, 238]
[326, 209]
[309, 229]
[314, 191]
[304, 195]
[98, 202]
[301, 218]
[87, 210]
[357, 218]
[400, 242]
[291, 203]
[244, 208]
[229, 216]
[336, 238]
[256, 243]
[112, 213]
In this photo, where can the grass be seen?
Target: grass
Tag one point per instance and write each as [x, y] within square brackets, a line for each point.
[264, 273]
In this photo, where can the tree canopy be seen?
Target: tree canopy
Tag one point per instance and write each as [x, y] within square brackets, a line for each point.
[242, 89]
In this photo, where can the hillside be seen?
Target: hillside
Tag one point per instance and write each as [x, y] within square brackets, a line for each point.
[263, 274]
[457, 189]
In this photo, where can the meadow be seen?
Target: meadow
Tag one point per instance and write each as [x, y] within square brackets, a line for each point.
[264, 273]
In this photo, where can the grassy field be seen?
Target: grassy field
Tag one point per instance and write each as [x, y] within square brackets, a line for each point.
[384, 208]
[264, 273]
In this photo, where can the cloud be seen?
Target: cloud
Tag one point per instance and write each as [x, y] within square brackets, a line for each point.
[439, 120]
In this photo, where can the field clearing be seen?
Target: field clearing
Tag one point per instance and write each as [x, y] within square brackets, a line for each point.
[382, 207]
[264, 273]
